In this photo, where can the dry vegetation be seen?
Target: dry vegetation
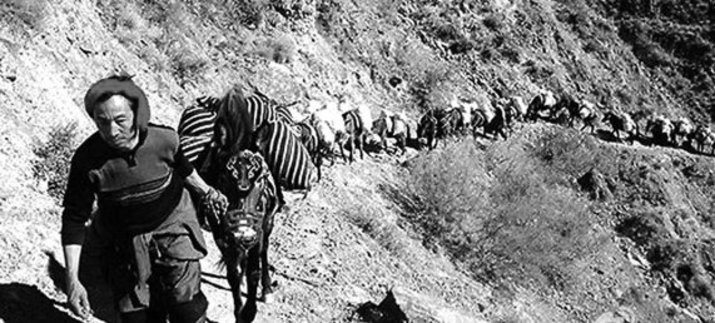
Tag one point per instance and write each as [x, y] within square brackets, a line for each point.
[53, 159]
[26, 13]
[505, 213]
[510, 214]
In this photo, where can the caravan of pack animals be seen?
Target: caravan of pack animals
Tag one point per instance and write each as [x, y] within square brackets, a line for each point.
[252, 148]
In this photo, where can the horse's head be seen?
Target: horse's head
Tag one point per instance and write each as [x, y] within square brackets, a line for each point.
[232, 122]
[243, 179]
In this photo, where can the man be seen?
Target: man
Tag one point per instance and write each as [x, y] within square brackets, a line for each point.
[136, 173]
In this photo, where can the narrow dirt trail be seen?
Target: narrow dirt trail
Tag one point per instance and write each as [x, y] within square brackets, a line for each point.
[326, 264]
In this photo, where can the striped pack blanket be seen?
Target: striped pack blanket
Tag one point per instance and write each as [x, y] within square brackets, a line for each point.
[196, 130]
[288, 159]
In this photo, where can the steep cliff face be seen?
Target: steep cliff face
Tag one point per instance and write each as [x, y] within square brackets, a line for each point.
[649, 258]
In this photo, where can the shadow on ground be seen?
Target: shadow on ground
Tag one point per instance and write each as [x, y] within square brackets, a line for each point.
[21, 303]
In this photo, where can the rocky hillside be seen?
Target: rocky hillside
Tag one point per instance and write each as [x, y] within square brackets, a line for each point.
[507, 231]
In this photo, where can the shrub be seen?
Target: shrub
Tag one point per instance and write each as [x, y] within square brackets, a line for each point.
[248, 13]
[536, 231]
[185, 65]
[328, 14]
[538, 73]
[489, 53]
[447, 32]
[511, 224]
[427, 74]
[511, 53]
[371, 221]
[594, 46]
[461, 46]
[281, 50]
[53, 159]
[571, 155]
[446, 186]
[130, 26]
[494, 21]
[428, 88]
[289, 9]
[28, 12]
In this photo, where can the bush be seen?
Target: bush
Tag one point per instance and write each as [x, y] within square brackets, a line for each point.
[536, 231]
[447, 188]
[371, 221]
[571, 155]
[53, 159]
[494, 21]
[329, 12]
[447, 32]
[538, 73]
[427, 74]
[461, 46]
[185, 65]
[281, 50]
[248, 13]
[28, 12]
[511, 53]
[290, 9]
[512, 224]
[594, 46]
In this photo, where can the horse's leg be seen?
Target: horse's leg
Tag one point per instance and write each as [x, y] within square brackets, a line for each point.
[402, 143]
[265, 273]
[352, 148]
[233, 274]
[361, 141]
[253, 275]
[318, 163]
[330, 153]
[342, 152]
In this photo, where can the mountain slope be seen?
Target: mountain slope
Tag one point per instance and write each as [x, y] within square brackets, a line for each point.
[553, 253]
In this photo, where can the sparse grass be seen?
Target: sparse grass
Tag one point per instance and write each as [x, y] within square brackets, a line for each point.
[53, 159]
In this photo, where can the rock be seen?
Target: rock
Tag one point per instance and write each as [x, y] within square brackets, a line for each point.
[595, 183]
[621, 315]
[401, 305]
[387, 311]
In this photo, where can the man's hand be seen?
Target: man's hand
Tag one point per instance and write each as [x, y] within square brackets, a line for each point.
[214, 205]
[77, 299]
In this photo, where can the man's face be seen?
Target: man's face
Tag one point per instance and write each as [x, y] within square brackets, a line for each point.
[115, 120]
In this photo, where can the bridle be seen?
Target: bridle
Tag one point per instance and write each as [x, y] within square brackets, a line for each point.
[242, 225]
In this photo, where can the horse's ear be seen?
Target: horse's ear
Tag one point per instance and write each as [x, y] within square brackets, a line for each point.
[261, 136]
[220, 135]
